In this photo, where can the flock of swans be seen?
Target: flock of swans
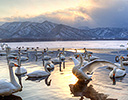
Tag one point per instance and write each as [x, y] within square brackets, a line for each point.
[85, 65]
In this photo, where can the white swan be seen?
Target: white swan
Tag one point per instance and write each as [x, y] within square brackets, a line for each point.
[7, 88]
[57, 60]
[77, 71]
[85, 72]
[47, 50]
[86, 53]
[84, 62]
[40, 73]
[4, 52]
[37, 53]
[20, 70]
[76, 53]
[118, 72]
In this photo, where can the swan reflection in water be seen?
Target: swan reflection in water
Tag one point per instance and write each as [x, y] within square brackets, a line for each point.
[48, 83]
[81, 89]
[11, 97]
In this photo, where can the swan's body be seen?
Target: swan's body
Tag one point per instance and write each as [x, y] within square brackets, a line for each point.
[125, 62]
[3, 54]
[91, 58]
[47, 57]
[39, 73]
[62, 57]
[8, 88]
[23, 58]
[118, 72]
[20, 71]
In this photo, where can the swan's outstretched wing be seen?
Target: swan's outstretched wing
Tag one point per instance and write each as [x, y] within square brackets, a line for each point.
[93, 65]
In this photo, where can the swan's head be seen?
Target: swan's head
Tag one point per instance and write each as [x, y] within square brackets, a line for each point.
[89, 55]
[58, 50]
[75, 50]
[121, 57]
[32, 48]
[77, 56]
[62, 49]
[16, 58]
[37, 47]
[84, 49]
[13, 65]
[45, 50]
[27, 48]
[59, 54]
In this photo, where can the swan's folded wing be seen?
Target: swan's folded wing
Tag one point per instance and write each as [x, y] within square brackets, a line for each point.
[93, 65]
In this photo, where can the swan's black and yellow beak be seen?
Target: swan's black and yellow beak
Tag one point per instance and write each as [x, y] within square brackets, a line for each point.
[15, 58]
[114, 79]
[113, 75]
[77, 56]
[16, 65]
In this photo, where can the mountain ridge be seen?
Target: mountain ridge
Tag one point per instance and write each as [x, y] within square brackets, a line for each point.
[49, 31]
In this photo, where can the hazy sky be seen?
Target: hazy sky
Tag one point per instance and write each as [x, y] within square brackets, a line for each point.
[92, 13]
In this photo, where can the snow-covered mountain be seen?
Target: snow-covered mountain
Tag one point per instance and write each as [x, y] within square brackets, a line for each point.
[51, 31]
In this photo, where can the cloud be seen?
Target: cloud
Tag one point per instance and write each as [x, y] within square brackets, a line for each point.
[92, 13]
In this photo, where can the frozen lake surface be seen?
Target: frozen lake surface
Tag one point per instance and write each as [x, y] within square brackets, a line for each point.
[73, 44]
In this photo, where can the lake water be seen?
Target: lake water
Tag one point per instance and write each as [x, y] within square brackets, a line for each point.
[72, 44]
[64, 85]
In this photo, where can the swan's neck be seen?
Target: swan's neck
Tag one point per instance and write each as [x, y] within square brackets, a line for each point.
[59, 56]
[76, 50]
[12, 78]
[19, 60]
[27, 54]
[7, 53]
[47, 49]
[76, 62]
[45, 67]
[121, 62]
[88, 58]
[63, 51]
[81, 62]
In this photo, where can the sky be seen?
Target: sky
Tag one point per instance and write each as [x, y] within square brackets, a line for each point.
[76, 13]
